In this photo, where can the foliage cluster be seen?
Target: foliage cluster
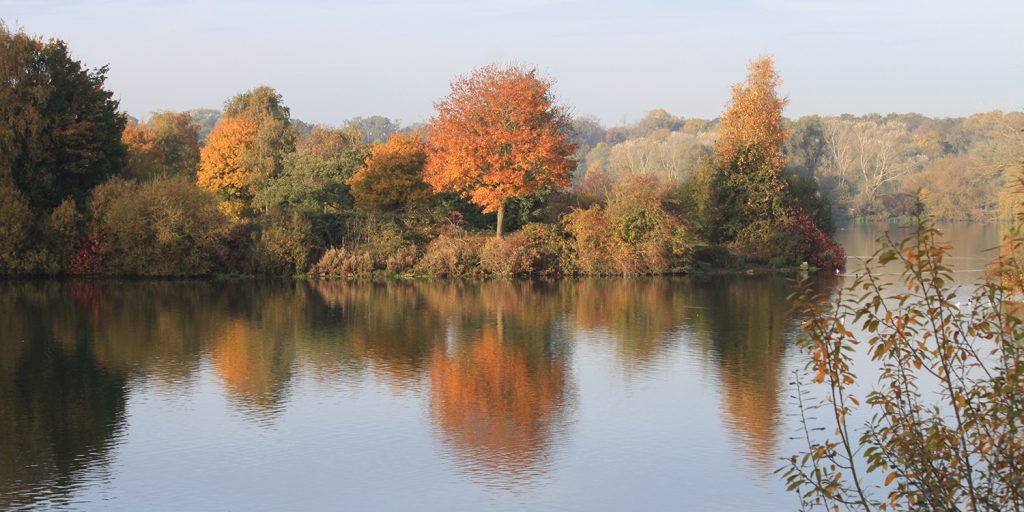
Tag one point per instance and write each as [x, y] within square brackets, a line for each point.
[162, 227]
[633, 234]
[378, 246]
[944, 419]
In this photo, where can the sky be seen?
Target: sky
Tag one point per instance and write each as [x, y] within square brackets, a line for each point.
[332, 61]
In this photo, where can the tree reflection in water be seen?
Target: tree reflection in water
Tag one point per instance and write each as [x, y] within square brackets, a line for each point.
[491, 361]
[60, 410]
[747, 327]
[498, 391]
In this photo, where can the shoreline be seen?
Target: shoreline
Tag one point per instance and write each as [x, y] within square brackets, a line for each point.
[382, 276]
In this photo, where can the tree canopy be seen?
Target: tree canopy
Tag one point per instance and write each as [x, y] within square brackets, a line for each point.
[167, 144]
[60, 129]
[392, 176]
[224, 167]
[497, 136]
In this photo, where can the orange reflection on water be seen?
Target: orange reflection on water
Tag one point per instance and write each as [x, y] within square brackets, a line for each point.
[253, 369]
[497, 405]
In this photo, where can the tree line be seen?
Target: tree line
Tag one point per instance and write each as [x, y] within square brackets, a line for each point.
[84, 189]
[869, 167]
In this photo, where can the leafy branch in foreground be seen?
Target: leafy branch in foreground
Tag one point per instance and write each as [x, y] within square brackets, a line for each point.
[943, 427]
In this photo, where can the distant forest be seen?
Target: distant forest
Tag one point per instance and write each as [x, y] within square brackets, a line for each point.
[869, 167]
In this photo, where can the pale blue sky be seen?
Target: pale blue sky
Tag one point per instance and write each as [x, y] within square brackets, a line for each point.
[616, 60]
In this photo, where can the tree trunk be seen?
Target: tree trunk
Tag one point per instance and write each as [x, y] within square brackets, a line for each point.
[501, 219]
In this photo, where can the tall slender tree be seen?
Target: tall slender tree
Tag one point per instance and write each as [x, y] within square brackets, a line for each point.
[747, 186]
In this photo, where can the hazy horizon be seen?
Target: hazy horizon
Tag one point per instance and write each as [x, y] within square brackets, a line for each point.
[395, 58]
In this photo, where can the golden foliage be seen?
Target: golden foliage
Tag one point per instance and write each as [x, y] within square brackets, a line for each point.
[139, 141]
[751, 132]
[391, 178]
[167, 144]
[222, 165]
[326, 143]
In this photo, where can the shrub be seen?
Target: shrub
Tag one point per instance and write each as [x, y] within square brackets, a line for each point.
[370, 245]
[89, 258]
[648, 240]
[63, 229]
[534, 250]
[452, 255]
[166, 226]
[589, 245]
[286, 243]
[15, 229]
[813, 245]
[374, 247]
[634, 234]
[389, 250]
[341, 262]
[763, 240]
[789, 241]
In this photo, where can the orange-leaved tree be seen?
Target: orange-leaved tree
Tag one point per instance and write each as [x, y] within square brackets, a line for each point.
[751, 134]
[223, 167]
[498, 136]
[392, 177]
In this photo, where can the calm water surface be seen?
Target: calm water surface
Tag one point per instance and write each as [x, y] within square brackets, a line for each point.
[658, 394]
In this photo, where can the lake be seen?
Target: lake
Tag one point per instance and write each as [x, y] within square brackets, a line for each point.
[638, 394]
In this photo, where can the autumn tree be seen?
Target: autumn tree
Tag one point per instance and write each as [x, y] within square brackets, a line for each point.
[248, 146]
[748, 186]
[392, 176]
[499, 136]
[224, 168]
[745, 199]
[60, 135]
[141, 148]
[262, 101]
[167, 144]
[275, 134]
[325, 142]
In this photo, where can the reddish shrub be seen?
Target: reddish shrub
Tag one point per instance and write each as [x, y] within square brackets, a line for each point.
[89, 258]
[814, 245]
